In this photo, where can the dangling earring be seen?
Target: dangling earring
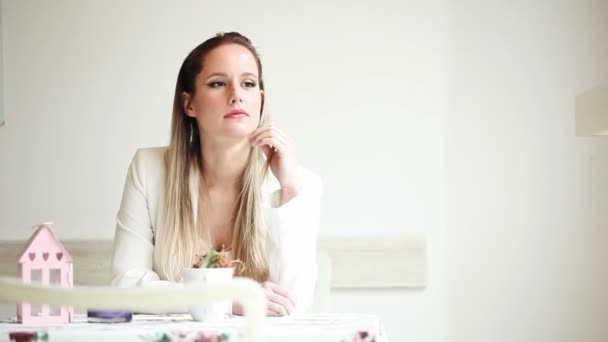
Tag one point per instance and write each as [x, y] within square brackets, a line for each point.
[191, 131]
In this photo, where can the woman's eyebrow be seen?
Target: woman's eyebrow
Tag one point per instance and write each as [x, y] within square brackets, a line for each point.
[222, 74]
[217, 74]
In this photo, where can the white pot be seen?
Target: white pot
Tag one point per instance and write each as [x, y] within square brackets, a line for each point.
[212, 311]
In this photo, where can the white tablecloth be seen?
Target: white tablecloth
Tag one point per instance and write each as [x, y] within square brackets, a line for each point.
[174, 328]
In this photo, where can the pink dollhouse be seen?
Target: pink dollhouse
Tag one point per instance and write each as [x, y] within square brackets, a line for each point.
[45, 261]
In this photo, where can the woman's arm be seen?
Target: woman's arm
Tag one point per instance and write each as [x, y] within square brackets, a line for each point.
[133, 257]
[293, 229]
[132, 262]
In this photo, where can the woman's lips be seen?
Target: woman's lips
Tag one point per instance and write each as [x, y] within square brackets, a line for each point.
[236, 114]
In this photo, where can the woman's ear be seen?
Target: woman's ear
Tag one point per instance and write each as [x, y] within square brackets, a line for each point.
[187, 104]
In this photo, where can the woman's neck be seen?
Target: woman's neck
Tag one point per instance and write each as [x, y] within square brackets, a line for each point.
[224, 163]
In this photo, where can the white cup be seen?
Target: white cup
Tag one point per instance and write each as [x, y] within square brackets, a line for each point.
[213, 311]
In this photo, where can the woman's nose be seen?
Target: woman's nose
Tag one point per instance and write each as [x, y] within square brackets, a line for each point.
[235, 95]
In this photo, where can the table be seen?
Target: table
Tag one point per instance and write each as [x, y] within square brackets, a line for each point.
[181, 328]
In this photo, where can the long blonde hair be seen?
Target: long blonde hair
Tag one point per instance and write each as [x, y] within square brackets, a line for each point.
[176, 245]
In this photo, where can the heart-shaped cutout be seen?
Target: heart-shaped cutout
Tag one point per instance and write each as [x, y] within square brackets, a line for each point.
[59, 256]
[32, 256]
[45, 256]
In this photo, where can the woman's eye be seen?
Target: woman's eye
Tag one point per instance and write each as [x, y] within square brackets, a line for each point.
[249, 84]
[216, 84]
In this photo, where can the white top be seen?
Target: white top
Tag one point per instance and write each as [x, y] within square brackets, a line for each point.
[292, 229]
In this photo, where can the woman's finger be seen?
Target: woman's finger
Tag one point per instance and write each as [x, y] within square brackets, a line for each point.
[283, 301]
[274, 308]
[269, 134]
[282, 296]
[277, 145]
[269, 147]
[276, 288]
[269, 129]
[260, 130]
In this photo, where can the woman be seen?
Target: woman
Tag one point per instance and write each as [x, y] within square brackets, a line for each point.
[210, 187]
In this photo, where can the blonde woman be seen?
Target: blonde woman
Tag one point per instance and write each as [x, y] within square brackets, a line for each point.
[211, 186]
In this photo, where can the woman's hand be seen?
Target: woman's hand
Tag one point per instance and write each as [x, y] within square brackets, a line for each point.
[279, 302]
[278, 149]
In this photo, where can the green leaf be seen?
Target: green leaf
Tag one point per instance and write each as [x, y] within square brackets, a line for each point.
[42, 337]
[164, 338]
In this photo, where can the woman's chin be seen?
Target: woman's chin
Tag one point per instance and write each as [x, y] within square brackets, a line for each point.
[238, 133]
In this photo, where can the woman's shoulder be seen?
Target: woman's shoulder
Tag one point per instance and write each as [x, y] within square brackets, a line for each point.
[149, 156]
[148, 162]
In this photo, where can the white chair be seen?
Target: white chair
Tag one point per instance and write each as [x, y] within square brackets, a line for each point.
[242, 290]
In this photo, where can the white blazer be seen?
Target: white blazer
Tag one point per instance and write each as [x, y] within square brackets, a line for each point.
[292, 229]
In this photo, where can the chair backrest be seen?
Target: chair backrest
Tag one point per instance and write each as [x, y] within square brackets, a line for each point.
[404, 260]
[92, 263]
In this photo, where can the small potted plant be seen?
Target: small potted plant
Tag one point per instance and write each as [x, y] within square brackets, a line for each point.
[211, 268]
[213, 259]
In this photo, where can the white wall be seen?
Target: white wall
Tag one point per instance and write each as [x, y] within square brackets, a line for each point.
[1, 75]
[528, 201]
[361, 87]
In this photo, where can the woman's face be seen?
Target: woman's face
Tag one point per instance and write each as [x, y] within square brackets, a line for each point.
[228, 99]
